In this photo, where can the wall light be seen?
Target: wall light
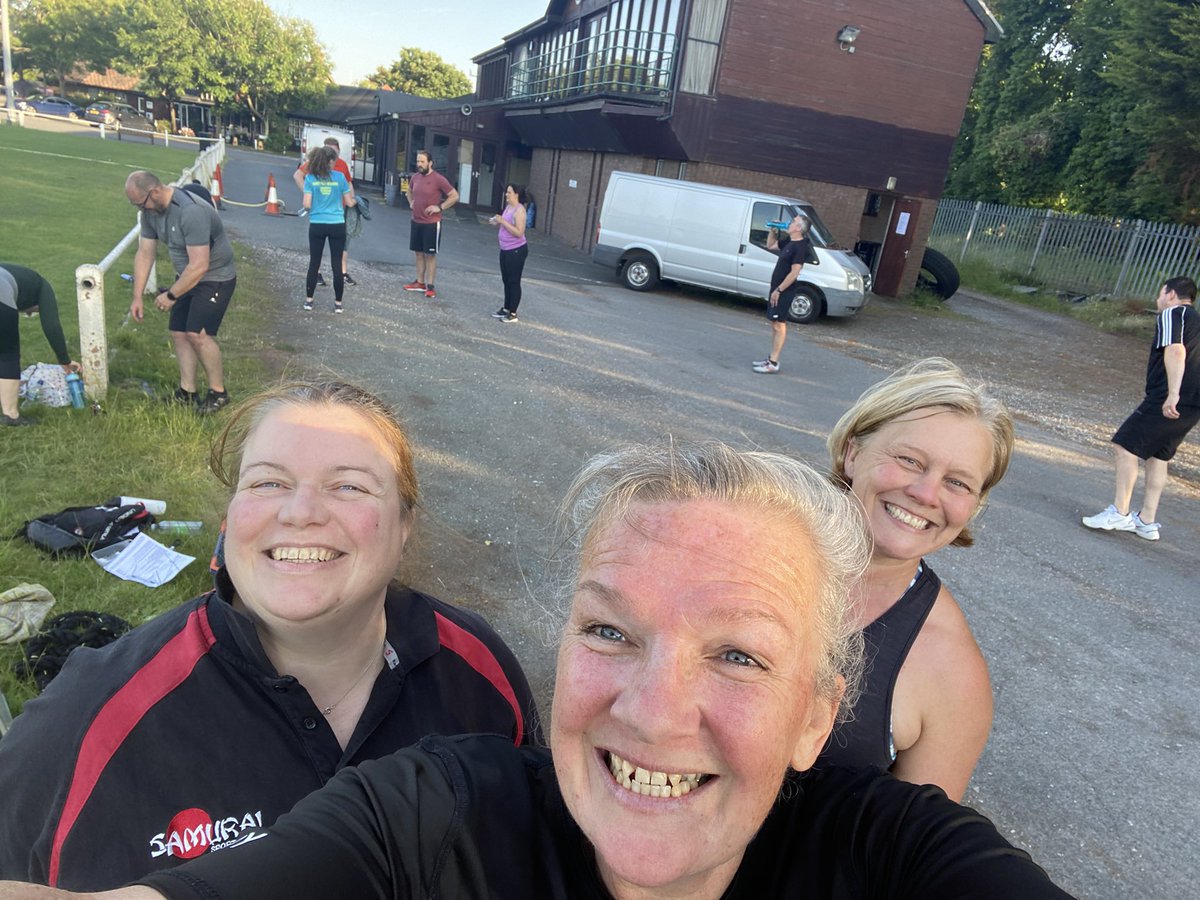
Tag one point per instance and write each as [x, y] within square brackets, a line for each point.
[847, 36]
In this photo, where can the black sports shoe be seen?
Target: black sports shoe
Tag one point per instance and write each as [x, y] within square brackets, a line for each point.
[501, 313]
[320, 280]
[16, 420]
[213, 402]
[346, 278]
[189, 398]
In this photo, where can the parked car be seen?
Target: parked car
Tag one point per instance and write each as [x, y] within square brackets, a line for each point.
[117, 115]
[18, 100]
[659, 228]
[56, 106]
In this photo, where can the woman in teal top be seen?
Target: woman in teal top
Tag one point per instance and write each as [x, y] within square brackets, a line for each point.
[326, 196]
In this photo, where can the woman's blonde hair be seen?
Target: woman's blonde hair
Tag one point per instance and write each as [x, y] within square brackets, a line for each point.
[934, 383]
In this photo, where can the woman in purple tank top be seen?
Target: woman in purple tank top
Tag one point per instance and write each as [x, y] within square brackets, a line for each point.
[513, 249]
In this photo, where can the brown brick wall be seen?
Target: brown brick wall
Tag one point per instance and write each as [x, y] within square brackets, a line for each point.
[913, 65]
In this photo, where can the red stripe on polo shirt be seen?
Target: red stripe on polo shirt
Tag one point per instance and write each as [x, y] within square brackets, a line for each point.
[477, 655]
[164, 672]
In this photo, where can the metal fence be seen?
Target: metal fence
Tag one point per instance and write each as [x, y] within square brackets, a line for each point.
[1081, 254]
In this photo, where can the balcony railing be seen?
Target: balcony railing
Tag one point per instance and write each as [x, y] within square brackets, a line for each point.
[621, 62]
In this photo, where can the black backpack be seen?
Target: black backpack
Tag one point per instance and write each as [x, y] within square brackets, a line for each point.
[82, 529]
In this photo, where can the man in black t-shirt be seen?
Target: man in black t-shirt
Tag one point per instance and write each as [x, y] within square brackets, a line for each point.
[1158, 426]
[792, 254]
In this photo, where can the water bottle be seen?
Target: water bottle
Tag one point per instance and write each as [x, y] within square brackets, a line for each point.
[782, 226]
[176, 527]
[75, 386]
[154, 507]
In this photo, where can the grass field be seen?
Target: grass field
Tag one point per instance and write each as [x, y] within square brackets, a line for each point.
[64, 205]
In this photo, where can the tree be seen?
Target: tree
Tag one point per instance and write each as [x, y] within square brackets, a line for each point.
[61, 33]
[266, 62]
[1020, 79]
[1155, 72]
[1089, 105]
[237, 51]
[420, 72]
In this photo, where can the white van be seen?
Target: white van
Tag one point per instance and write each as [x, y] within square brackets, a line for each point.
[716, 237]
[314, 136]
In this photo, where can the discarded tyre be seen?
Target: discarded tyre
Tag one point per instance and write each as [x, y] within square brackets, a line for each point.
[938, 274]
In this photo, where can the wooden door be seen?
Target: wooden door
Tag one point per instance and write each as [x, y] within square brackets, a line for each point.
[894, 254]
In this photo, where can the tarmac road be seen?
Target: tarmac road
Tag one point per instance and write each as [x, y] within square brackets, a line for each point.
[1091, 638]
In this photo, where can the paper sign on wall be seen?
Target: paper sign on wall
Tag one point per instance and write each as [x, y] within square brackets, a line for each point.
[572, 183]
[902, 223]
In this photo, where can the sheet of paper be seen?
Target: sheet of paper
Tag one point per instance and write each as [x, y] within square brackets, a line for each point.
[143, 560]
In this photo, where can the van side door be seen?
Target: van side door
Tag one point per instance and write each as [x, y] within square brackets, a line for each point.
[702, 238]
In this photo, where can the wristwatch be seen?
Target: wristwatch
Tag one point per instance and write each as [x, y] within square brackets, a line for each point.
[171, 297]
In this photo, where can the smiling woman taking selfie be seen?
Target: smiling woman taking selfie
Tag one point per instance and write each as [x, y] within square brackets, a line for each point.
[201, 727]
[706, 653]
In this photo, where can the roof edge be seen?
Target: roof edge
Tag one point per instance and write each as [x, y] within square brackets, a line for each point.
[992, 30]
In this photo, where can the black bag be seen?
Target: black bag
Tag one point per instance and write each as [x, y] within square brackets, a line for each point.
[82, 529]
[47, 651]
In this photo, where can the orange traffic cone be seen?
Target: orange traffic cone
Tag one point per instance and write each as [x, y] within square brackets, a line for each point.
[216, 188]
[273, 206]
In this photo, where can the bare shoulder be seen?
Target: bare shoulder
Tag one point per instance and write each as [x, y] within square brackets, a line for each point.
[945, 656]
[942, 706]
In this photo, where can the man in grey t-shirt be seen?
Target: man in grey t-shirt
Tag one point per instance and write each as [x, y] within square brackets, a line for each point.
[203, 260]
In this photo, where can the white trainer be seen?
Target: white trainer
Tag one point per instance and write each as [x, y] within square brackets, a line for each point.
[1146, 530]
[1110, 520]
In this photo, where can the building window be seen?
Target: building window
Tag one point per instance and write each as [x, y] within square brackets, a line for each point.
[702, 47]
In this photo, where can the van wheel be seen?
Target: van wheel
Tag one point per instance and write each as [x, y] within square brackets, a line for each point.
[938, 274]
[806, 305]
[640, 272]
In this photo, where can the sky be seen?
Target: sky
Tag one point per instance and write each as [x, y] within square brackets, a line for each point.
[362, 35]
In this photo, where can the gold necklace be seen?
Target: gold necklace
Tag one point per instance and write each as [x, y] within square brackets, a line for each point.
[326, 710]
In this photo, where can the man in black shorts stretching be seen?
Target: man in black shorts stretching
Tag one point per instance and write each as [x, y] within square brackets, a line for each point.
[1159, 425]
[197, 300]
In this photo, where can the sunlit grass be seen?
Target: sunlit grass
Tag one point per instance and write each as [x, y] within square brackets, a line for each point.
[63, 204]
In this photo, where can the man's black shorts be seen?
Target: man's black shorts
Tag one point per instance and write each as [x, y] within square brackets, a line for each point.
[1147, 432]
[778, 312]
[425, 237]
[203, 307]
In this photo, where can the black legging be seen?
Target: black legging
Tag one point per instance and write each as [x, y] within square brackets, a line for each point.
[317, 233]
[512, 264]
[10, 342]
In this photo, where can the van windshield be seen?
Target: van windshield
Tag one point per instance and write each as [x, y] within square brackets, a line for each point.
[818, 234]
